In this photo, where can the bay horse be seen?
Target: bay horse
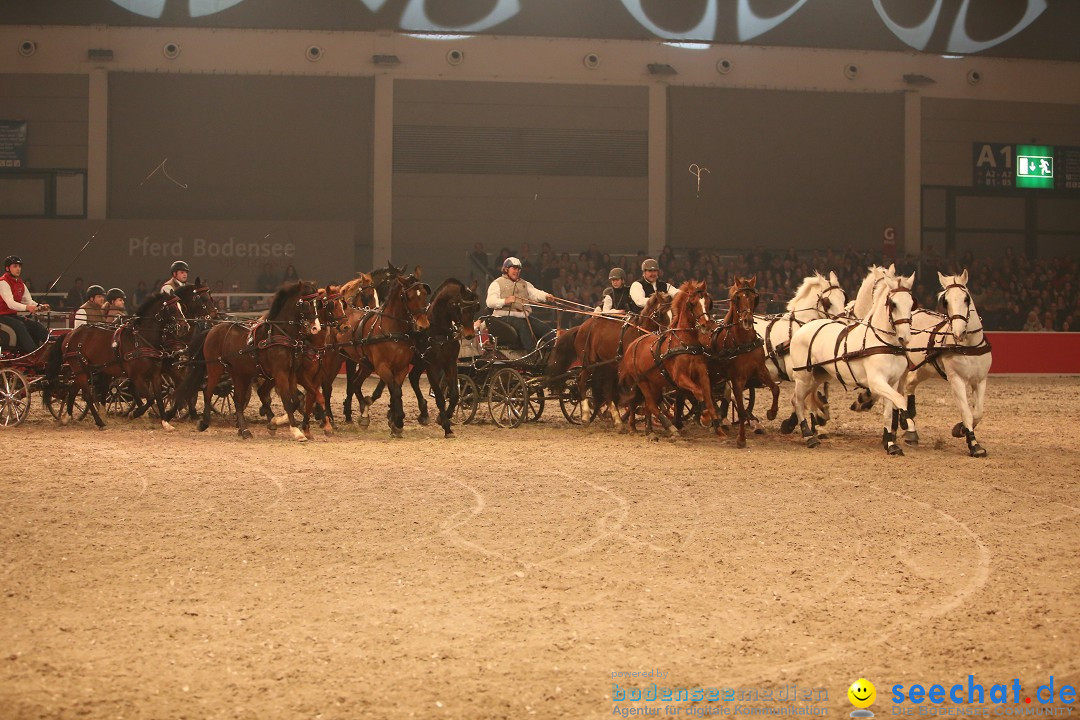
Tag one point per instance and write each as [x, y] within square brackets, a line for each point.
[379, 341]
[134, 349]
[201, 312]
[674, 357]
[271, 347]
[319, 364]
[868, 353]
[951, 345]
[599, 343]
[369, 289]
[736, 353]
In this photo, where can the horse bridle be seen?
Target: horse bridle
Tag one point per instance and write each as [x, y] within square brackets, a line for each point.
[967, 301]
[309, 300]
[337, 324]
[825, 304]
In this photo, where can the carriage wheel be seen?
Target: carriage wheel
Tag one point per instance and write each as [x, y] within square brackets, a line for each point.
[468, 399]
[53, 398]
[167, 386]
[571, 406]
[14, 397]
[536, 403]
[119, 397]
[221, 402]
[508, 398]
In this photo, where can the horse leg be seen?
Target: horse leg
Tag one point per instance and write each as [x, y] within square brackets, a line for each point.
[652, 409]
[741, 409]
[699, 371]
[959, 386]
[435, 376]
[364, 404]
[159, 401]
[805, 383]
[396, 415]
[421, 401]
[241, 394]
[894, 403]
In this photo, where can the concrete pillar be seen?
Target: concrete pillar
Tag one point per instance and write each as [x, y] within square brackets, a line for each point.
[658, 168]
[383, 181]
[97, 145]
[912, 173]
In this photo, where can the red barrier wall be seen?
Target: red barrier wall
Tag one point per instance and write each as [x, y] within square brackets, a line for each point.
[1035, 352]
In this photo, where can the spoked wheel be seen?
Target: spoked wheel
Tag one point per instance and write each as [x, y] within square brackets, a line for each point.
[536, 403]
[119, 398]
[508, 398]
[468, 399]
[55, 395]
[221, 403]
[14, 397]
[167, 387]
[571, 405]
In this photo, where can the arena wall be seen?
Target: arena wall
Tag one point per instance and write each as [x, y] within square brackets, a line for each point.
[1035, 353]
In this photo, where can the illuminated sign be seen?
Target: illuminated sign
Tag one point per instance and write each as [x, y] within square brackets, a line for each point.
[1034, 166]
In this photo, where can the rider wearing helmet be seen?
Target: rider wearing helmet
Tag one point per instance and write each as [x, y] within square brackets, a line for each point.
[179, 277]
[15, 298]
[616, 297]
[508, 297]
[114, 305]
[93, 310]
[649, 283]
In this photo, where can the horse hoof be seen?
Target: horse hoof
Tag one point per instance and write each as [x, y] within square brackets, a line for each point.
[308, 435]
[977, 451]
[245, 434]
[958, 430]
[787, 426]
[203, 425]
[166, 426]
[396, 432]
[449, 434]
[328, 432]
[423, 419]
[911, 437]
[363, 421]
[896, 450]
[760, 430]
[812, 442]
[823, 435]
[770, 415]
[740, 443]
[101, 426]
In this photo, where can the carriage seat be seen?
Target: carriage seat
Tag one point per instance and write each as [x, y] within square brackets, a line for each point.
[7, 338]
[504, 333]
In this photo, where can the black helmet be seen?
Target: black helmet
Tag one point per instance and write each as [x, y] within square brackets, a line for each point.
[12, 260]
[94, 290]
[115, 293]
[178, 265]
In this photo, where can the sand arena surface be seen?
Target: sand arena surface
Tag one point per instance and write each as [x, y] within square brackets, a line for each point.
[510, 573]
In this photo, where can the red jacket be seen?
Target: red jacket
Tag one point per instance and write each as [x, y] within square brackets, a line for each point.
[18, 289]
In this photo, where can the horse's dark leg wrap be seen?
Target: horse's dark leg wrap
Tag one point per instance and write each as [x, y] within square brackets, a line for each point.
[812, 440]
[888, 438]
[895, 420]
[911, 406]
[974, 448]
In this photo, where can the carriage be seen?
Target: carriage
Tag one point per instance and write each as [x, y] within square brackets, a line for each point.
[23, 374]
[512, 382]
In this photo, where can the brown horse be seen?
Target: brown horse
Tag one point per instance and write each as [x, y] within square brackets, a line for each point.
[134, 349]
[271, 347]
[599, 343]
[736, 353]
[319, 364]
[201, 312]
[673, 358]
[379, 341]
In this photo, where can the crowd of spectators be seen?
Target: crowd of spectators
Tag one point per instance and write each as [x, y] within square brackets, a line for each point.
[1010, 292]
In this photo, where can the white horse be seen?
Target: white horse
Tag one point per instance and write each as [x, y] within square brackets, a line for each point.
[953, 346]
[868, 353]
[816, 298]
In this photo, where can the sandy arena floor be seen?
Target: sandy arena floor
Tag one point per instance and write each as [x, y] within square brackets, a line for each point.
[513, 573]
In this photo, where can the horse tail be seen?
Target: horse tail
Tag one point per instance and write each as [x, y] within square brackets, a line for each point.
[196, 374]
[55, 360]
[562, 357]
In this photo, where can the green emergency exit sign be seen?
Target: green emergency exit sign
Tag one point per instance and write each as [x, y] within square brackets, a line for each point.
[1034, 166]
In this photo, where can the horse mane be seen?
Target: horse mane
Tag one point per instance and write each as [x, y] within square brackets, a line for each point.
[143, 310]
[282, 296]
[654, 300]
[445, 285]
[811, 283]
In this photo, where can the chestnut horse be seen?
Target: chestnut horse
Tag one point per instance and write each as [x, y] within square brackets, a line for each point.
[271, 347]
[736, 353]
[599, 343]
[134, 349]
[379, 341]
[675, 357]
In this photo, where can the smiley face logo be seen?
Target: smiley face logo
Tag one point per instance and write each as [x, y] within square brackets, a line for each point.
[862, 693]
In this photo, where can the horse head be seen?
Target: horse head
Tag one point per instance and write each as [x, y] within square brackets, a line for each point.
[332, 311]
[468, 304]
[743, 297]
[894, 296]
[656, 313]
[197, 302]
[414, 295]
[956, 303]
[360, 293]
[688, 308]
[296, 303]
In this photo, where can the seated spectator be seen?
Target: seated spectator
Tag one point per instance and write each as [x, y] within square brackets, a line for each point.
[1032, 324]
[267, 282]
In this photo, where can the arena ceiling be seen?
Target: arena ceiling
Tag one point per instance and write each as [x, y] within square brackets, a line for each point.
[1036, 29]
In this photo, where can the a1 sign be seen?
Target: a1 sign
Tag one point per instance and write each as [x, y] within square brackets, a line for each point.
[994, 165]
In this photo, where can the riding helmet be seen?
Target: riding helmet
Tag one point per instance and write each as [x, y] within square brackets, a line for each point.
[12, 260]
[511, 262]
[178, 265]
[94, 290]
[115, 293]
[650, 264]
[616, 274]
